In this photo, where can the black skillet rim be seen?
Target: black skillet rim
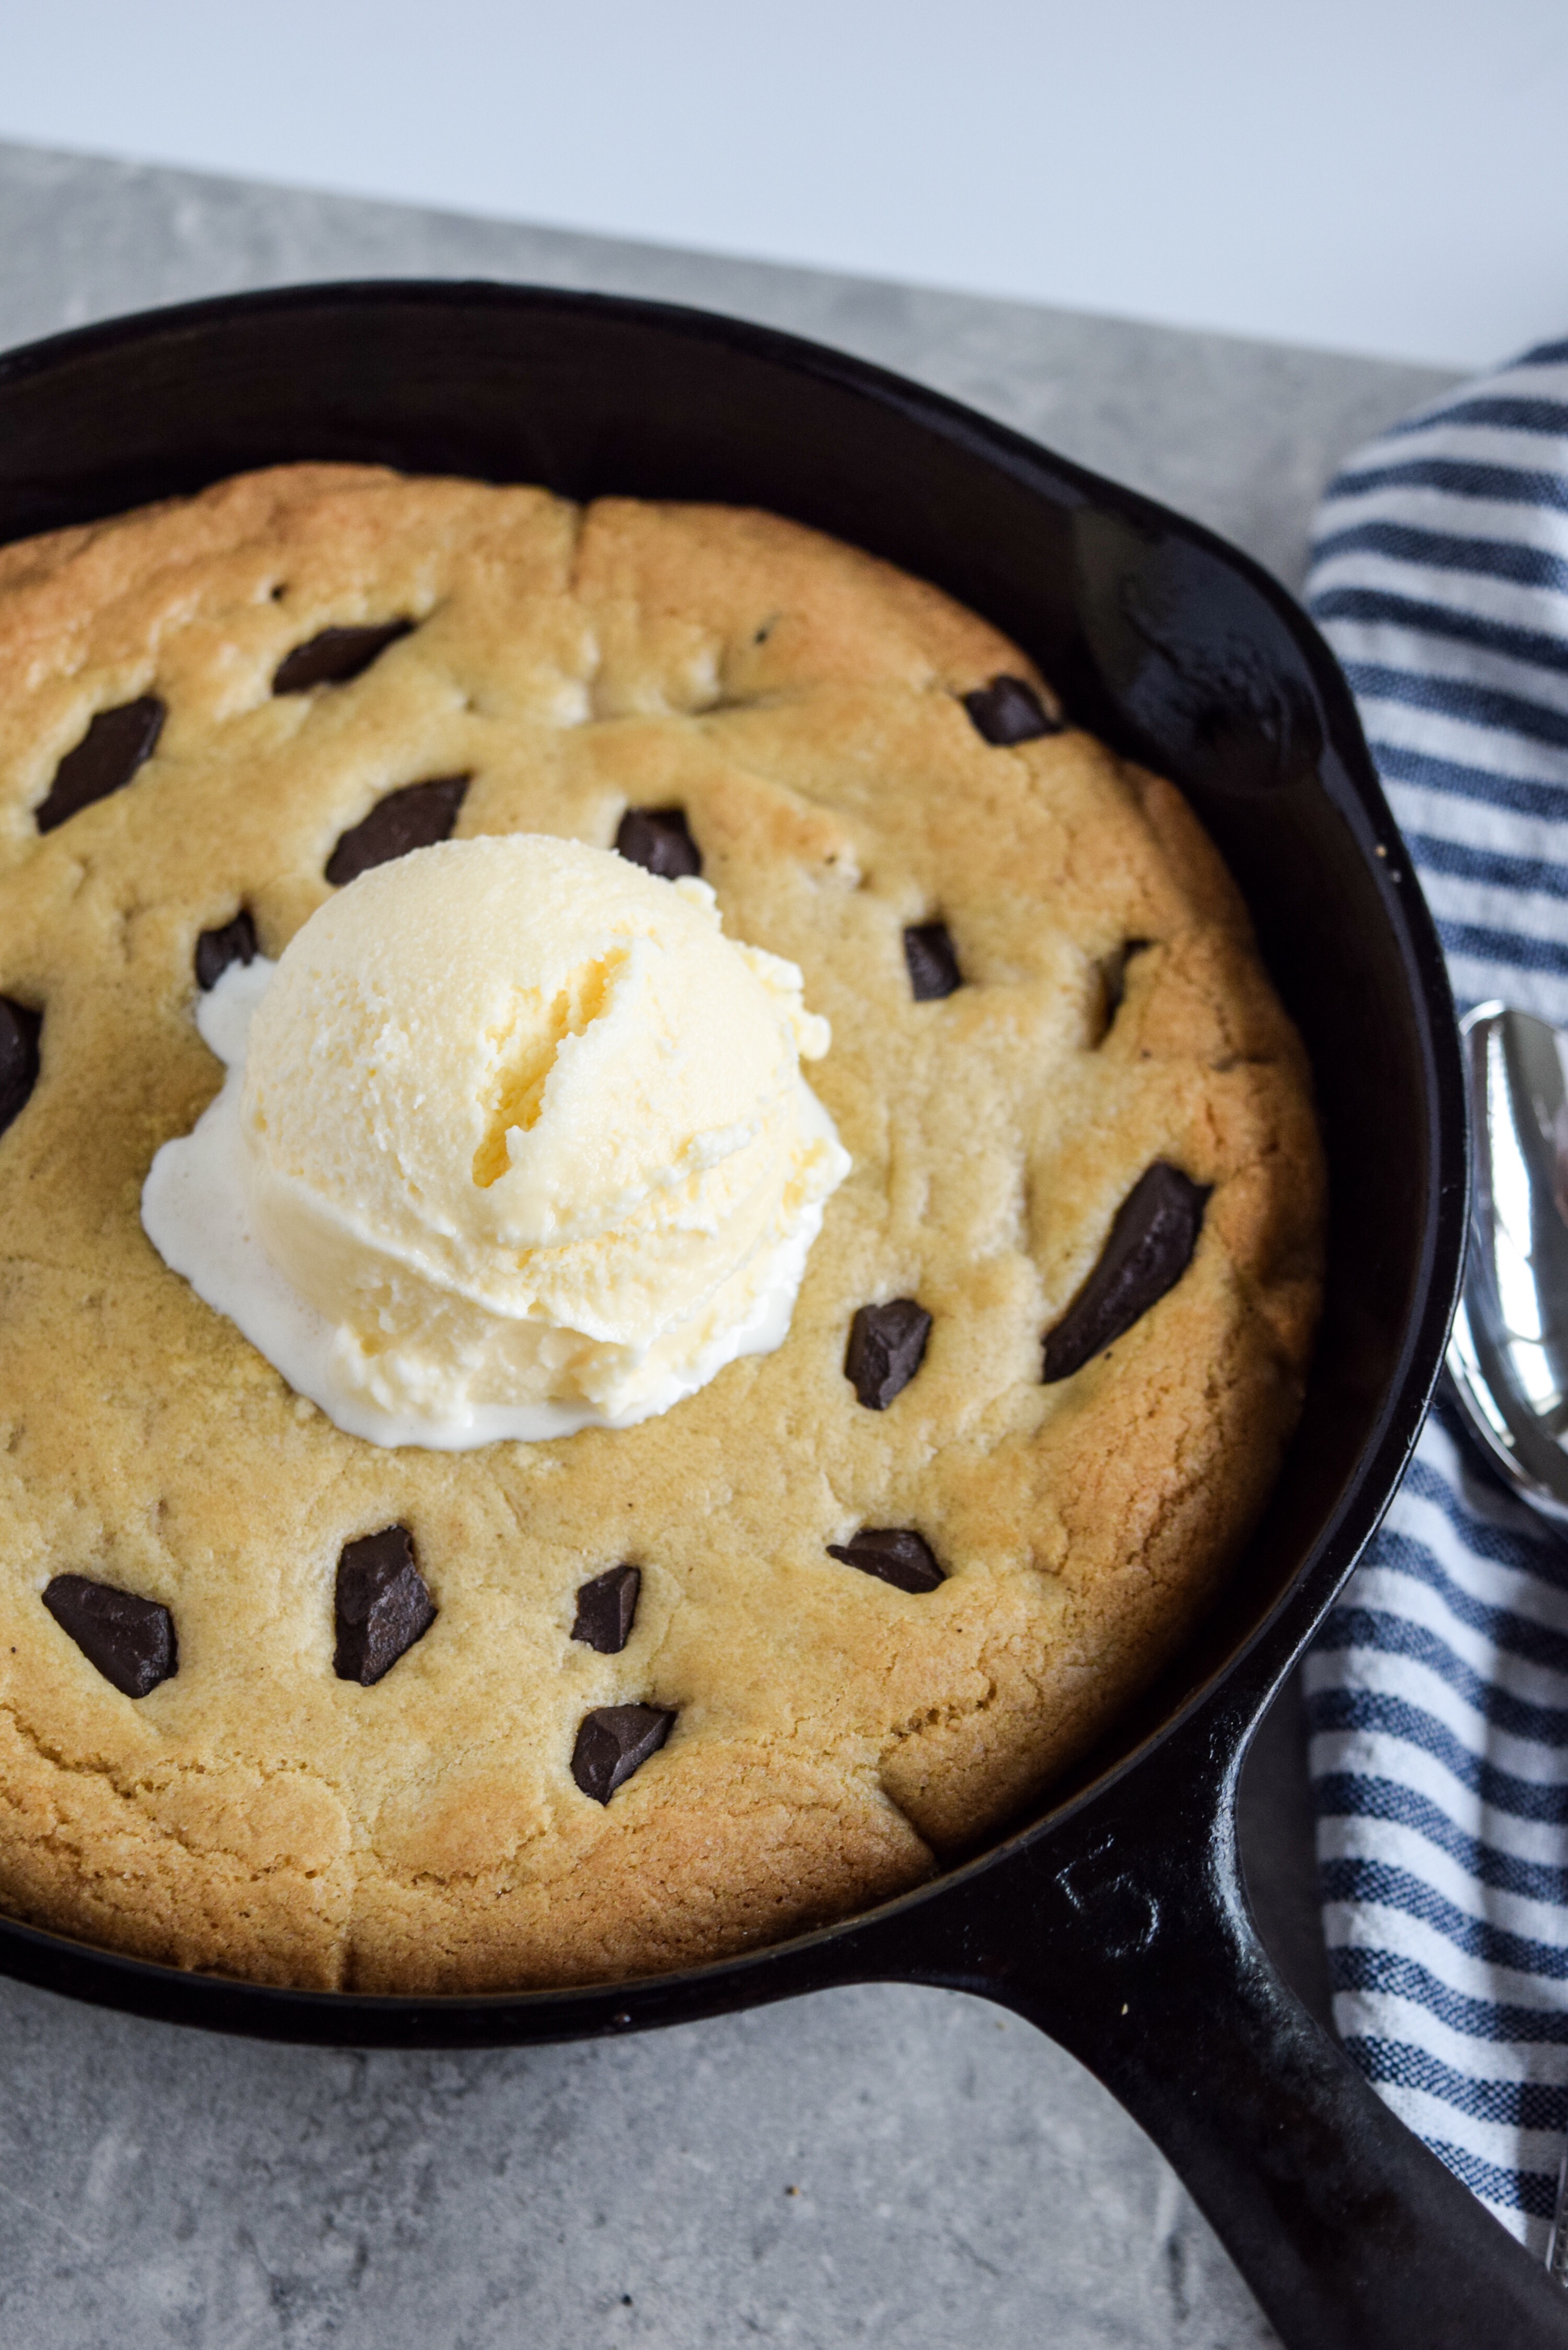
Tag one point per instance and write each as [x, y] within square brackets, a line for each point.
[1249, 1676]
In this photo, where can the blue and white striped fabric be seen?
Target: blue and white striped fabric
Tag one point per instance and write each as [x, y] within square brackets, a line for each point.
[1437, 1692]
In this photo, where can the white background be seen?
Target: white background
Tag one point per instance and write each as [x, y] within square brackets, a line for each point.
[1387, 176]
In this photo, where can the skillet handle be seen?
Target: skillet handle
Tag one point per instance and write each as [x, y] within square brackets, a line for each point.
[1129, 1941]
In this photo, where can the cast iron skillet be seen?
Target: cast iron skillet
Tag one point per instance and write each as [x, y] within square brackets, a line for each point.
[1116, 1921]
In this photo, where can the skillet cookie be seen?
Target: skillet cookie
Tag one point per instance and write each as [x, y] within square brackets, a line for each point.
[287, 1705]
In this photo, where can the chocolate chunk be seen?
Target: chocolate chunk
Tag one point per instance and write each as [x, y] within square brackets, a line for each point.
[129, 1639]
[415, 815]
[19, 1030]
[216, 949]
[336, 656]
[1150, 1247]
[933, 965]
[660, 839]
[1008, 709]
[886, 1347]
[383, 1607]
[614, 1741]
[606, 1608]
[115, 745]
[896, 1554]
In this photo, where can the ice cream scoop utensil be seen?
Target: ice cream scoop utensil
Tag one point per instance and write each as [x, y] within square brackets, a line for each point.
[1508, 1357]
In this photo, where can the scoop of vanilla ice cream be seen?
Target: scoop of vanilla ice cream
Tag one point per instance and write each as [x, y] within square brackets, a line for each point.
[529, 1136]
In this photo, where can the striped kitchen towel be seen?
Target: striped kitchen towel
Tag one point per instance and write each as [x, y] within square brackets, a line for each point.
[1438, 1691]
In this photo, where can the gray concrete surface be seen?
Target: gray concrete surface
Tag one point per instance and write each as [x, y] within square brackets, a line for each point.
[874, 2166]
[870, 2167]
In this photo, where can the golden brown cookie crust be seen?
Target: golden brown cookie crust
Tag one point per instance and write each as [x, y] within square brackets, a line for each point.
[835, 1737]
